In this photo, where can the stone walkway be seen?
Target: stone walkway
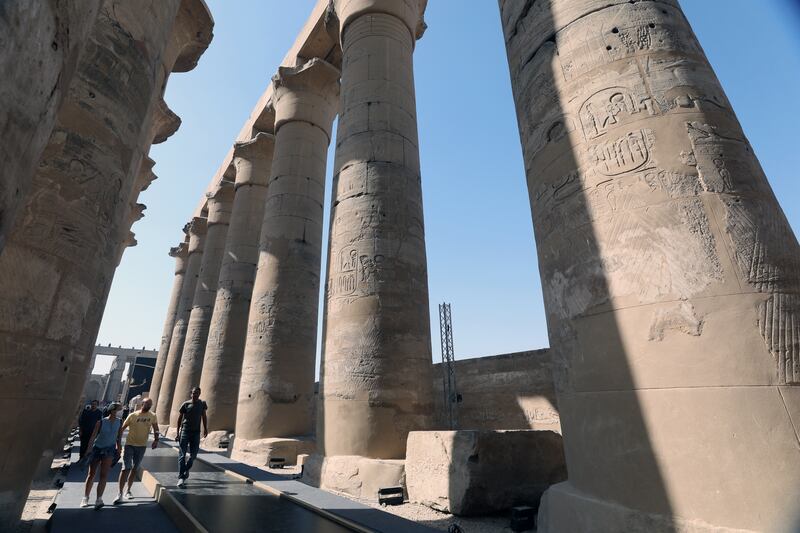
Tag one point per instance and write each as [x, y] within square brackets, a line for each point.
[220, 495]
[141, 514]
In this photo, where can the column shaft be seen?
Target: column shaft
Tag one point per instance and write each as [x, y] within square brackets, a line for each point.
[222, 369]
[180, 253]
[60, 258]
[51, 36]
[376, 382]
[196, 230]
[276, 393]
[191, 362]
[670, 275]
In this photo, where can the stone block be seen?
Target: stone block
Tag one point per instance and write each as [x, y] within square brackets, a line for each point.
[357, 476]
[480, 472]
[258, 452]
[216, 440]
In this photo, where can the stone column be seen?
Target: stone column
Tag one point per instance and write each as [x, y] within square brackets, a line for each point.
[191, 362]
[63, 250]
[376, 364]
[671, 276]
[196, 230]
[222, 368]
[276, 393]
[180, 253]
[42, 43]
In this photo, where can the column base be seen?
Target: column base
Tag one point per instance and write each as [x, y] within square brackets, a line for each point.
[171, 433]
[357, 476]
[564, 508]
[258, 452]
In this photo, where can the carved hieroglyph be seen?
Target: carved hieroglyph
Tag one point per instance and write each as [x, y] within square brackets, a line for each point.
[277, 387]
[375, 379]
[222, 367]
[64, 248]
[670, 274]
[196, 229]
[205, 293]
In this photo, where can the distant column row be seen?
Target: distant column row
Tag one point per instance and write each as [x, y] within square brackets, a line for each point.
[246, 330]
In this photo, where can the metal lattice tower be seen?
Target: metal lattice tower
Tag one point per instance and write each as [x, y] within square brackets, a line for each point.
[448, 369]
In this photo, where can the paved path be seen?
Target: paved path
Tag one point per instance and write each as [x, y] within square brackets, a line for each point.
[141, 514]
[218, 502]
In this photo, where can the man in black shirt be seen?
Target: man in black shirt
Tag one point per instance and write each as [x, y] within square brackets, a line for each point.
[191, 413]
[88, 419]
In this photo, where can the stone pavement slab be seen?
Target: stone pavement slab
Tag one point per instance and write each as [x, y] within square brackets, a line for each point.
[141, 514]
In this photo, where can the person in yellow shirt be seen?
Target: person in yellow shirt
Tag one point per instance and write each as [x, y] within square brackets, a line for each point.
[138, 424]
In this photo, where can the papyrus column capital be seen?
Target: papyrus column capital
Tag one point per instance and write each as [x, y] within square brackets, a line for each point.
[191, 35]
[220, 203]
[411, 12]
[308, 92]
[253, 159]
[196, 230]
[180, 253]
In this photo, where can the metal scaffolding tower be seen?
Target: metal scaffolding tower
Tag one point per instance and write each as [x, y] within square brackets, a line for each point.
[448, 369]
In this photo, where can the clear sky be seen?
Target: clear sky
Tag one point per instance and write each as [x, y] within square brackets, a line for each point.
[481, 252]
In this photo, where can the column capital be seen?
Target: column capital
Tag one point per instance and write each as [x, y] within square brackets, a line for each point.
[257, 152]
[196, 230]
[180, 253]
[191, 35]
[220, 203]
[307, 92]
[146, 175]
[182, 250]
[411, 12]
[259, 147]
[165, 122]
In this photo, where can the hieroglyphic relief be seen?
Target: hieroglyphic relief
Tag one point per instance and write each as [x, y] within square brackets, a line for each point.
[264, 309]
[612, 107]
[354, 273]
[623, 154]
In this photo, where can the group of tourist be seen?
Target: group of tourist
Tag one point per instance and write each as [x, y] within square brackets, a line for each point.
[101, 447]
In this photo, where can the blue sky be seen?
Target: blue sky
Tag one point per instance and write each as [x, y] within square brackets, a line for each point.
[481, 252]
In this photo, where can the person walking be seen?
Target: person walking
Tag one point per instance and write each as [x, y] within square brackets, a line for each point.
[89, 418]
[104, 444]
[191, 413]
[138, 423]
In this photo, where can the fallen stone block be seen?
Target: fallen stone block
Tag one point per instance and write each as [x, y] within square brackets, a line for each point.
[478, 472]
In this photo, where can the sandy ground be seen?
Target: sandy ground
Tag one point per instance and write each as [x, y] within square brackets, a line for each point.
[35, 515]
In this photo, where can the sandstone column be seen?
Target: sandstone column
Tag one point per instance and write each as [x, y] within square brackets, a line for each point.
[180, 253]
[671, 276]
[222, 367]
[191, 362]
[63, 250]
[42, 42]
[277, 389]
[375, 382]
[196, 230]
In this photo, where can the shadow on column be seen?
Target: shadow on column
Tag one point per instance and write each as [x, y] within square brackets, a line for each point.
[610, 457]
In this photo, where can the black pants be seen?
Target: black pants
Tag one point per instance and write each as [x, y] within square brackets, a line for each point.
[85, 436]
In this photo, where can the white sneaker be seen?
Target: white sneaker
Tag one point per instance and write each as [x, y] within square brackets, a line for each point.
[84, 502]
[98, 503]
[118, 499]
[181, 482]
[128, 495]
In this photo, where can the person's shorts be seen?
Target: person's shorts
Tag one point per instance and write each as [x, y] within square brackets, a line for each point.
[132, 456]
[101, 453]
